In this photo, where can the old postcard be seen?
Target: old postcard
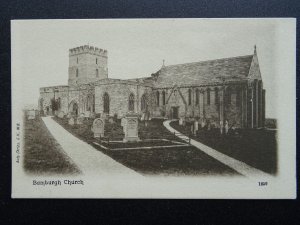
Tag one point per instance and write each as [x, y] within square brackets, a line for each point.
[154, 108]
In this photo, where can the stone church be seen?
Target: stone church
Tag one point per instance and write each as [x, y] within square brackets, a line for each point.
[228, 89]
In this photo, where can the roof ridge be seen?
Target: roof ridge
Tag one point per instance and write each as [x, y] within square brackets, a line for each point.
[210, 60]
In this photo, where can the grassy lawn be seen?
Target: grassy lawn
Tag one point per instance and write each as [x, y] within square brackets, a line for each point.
[257, 148]
[165, 161]
[42, 154]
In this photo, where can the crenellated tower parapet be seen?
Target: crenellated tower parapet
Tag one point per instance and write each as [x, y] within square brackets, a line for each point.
[84, 49]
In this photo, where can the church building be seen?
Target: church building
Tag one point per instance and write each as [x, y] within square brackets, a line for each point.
[228, 89]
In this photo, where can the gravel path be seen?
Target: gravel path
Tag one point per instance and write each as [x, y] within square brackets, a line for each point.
[237, 165]
[88, 159]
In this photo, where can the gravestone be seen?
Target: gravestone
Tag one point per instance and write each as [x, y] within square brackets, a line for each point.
[87, 114]
[31, 114]
[98, 128]
[123, 121]
[180, 121]
[221, 126]
[196, 126]
[61, 114]
[79, 120]
[183, 121]
[71, 121]
[111, 120]
[203, 123]
[131, 128]
[226, 127]
[143, 117]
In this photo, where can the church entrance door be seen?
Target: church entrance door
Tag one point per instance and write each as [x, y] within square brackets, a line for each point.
[175, 112]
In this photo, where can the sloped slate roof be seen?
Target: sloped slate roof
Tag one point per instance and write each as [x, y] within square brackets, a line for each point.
[205, 72]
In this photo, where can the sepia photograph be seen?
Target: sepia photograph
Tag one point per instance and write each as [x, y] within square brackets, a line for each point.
[154, 108]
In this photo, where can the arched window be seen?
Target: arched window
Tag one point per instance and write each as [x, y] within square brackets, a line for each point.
[58, 104]
[93, 103]
[77, 60]
[208, 97]
[143, 103]
[96, 60]
[228, 96]
[197, 97]
[77, 73]
[157, 98]
[238, 97]
[97, 73]
[216, 96]
[163, 97]
[106, 103]
[190, 96]
[88, 107]
[131, 102]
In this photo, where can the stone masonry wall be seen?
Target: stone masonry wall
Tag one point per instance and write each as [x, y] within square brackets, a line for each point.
[119, 97]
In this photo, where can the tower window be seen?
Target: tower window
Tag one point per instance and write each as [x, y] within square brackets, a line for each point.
[238, 97]
[96, 60]
[163, 97]
[228, 96]
[208, 96]
[77, 60]
[197, 97]
[77, 73]
[216, 96]
[190, 96]
[157, 98]
[97, 73]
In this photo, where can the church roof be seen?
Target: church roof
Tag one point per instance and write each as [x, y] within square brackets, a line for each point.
[205, 72]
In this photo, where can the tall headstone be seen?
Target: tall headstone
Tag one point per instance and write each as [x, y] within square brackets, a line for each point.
[196, 126]
[143, 117]
[226, 127]
[98, 127]
[203, 123]
[221, 126]
[180, 121]
[131, 128]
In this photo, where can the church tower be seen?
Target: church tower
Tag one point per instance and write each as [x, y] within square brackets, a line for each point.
[87, 64]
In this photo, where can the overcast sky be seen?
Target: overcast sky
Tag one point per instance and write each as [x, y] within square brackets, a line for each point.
[136, 48]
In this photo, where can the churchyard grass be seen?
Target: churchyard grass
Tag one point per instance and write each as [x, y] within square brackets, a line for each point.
[186, 160]
[256, 147]
[42, 154]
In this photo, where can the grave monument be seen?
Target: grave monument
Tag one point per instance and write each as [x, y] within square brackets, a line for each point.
[130, 128]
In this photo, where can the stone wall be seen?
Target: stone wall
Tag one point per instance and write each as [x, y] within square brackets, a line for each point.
[208, 109]
[118, 93]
